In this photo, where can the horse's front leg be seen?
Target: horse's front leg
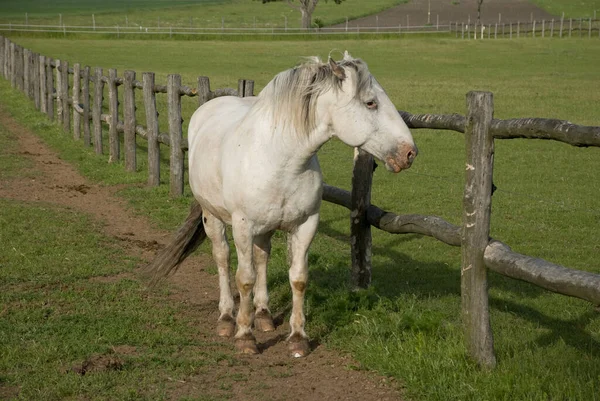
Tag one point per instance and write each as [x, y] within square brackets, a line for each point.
[299, 242]
[263, 320]
[245, 279]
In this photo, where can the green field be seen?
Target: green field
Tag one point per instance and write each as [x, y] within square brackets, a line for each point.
[572, 9]
[408, 324]
[182, 13]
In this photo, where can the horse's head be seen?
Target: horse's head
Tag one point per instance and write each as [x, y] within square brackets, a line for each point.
[362, 115]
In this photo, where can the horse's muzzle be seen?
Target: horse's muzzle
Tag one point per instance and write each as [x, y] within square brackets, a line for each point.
[401, 158]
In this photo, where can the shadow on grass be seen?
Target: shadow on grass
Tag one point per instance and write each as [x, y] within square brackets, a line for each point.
[400, 275]
[571, 331]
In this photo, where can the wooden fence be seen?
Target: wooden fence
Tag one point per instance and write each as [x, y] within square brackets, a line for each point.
[560, 28]
[79, 107]
[33, 74]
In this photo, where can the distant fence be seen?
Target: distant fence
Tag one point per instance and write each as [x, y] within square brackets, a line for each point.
[177, 31]
[559, 28]
[553, 28]
[33, 74]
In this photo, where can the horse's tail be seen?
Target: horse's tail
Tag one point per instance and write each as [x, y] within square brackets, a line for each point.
[185, 241]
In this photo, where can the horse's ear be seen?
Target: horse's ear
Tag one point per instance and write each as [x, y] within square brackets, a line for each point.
[336, 69]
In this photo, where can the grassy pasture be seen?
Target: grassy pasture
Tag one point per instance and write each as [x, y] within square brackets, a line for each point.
[407, 325]
[573, 9]
[182, 13]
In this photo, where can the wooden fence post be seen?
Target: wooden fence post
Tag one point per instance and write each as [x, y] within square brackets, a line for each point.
[2, 56]
[43, 85]
[562, 21]
[49, 88]
[240, 88]
[35, 77]
[85, 94]
[18, 67]
[248, 88]
[129, 121]
[6, 66]
[570, 26]
[476, 226]
[64, 76]
[59, 94]
[360, 229]
[97, 109]
[152, 127]
[177, 156]
[27, 72]
[114, 152]
[76, 99]
[203, 90]
[62, 93]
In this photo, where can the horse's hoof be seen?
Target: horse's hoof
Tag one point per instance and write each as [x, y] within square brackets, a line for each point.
[263, 321]
[298, 346]
[225, 326]
[246, 345]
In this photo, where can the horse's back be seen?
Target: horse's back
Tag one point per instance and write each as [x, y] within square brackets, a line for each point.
[209, 127]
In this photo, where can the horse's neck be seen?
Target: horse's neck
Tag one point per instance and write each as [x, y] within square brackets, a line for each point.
[277, 141]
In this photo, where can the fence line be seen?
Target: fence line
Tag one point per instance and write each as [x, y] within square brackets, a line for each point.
[588, 27]
[223, 31]
[479, 251]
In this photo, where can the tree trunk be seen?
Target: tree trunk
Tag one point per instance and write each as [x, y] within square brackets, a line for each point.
[306, 18]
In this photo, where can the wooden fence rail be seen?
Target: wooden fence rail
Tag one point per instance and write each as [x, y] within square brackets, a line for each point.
[479, 251]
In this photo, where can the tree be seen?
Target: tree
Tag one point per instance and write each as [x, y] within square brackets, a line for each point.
[479, 2]
[306, 8]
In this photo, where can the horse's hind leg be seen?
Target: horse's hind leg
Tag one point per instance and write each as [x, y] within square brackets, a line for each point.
[263, 320]
[299, 241]
[245, 279]
[215, 230]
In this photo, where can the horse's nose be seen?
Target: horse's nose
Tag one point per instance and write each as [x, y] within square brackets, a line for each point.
[401, 158]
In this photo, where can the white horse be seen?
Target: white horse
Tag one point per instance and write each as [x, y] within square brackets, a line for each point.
[253, 165]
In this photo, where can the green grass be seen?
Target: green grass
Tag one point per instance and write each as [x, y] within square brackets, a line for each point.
[407, 325]
[572, 9]
[183, 13]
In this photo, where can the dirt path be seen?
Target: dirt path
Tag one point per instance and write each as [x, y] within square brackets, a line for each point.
[273, 375]
[415, 12]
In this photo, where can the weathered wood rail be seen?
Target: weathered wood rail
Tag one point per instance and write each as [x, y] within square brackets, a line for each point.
[479, 251]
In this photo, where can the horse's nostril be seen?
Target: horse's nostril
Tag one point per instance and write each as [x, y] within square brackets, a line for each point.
[411, 155]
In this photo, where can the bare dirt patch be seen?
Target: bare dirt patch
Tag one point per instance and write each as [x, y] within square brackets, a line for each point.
[415, 13]
[324, 375]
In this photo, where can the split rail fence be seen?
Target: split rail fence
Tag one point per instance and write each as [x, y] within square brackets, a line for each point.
[33, 74]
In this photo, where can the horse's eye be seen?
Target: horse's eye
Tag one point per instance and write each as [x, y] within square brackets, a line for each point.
[371, 104]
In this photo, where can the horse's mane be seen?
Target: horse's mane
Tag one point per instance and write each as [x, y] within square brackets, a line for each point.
[291, 96]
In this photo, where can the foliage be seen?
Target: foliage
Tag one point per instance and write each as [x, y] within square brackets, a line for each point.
[407, 325]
